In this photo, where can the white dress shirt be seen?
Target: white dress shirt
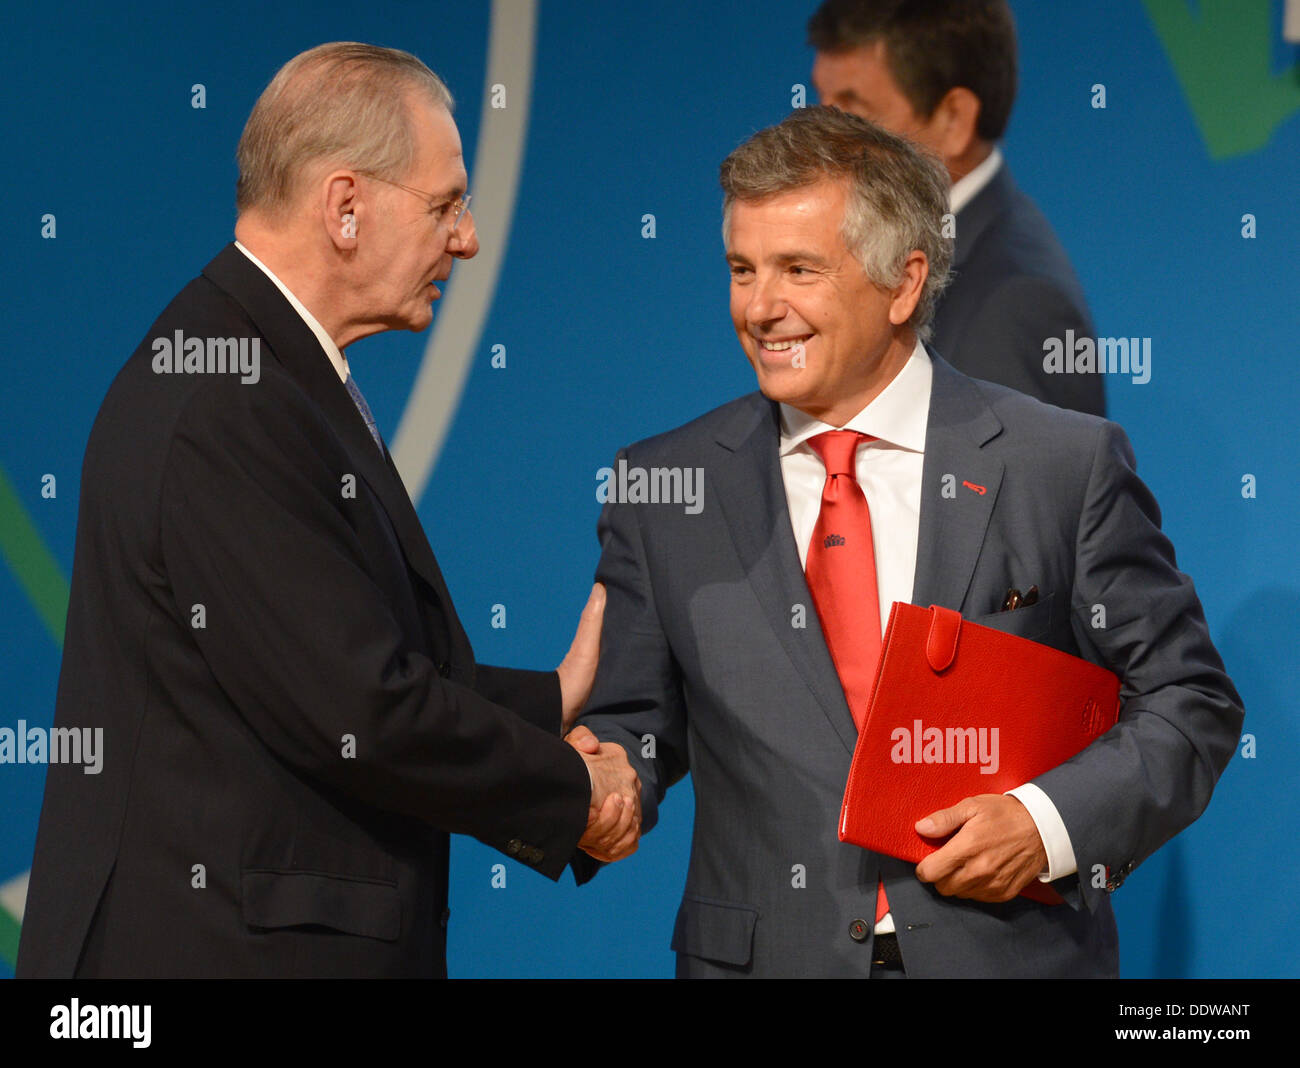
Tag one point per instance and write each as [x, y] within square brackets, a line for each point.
[964, 188]
[335, 354]
[889, 472]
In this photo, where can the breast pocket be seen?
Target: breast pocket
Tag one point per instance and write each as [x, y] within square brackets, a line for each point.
[1035, 622]
[282, 899]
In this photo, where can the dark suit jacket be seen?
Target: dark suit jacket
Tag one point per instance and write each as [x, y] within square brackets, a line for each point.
[282, 766]
[1013, 287]
[703, 650]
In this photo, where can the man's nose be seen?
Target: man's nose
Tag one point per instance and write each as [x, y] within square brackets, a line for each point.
[463, 241]
[766, 300]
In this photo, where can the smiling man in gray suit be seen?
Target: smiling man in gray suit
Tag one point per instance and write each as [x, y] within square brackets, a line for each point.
[739, 635]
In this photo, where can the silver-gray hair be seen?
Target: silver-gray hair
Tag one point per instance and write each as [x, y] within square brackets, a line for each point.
[898, 192]
[345, 104]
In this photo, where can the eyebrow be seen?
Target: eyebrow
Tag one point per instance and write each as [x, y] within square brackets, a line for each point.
[783, 259]
[453, 192]
[786, 258]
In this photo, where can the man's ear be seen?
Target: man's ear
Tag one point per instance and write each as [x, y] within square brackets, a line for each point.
[341, 209]
[953, 124]
[908, 292]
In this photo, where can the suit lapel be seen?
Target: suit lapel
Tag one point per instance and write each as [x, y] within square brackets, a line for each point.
[959, 485]
[291, 341]
[749, 488]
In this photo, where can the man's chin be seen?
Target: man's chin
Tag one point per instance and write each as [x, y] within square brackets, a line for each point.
[418, 321]
[783, 386]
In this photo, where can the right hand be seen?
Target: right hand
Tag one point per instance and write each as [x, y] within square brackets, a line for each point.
[614, 815]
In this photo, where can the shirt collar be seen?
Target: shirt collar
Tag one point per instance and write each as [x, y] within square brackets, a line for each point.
[327, 343]
[964, 188]
[899, 415]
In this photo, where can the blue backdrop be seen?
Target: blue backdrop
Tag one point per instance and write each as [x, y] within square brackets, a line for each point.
[120, 189]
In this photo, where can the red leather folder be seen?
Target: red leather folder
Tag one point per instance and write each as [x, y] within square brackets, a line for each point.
[958, 709]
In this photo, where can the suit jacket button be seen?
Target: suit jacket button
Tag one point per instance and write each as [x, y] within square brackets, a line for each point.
[859, 931]
[444, 669]
[514, 846]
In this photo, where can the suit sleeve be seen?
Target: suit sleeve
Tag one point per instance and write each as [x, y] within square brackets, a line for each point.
[636, 700]
[1003, 343]
[1152, 774]
[255, 529]
[532, 695]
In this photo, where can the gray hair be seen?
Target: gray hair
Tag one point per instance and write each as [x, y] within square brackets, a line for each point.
[898, 192]
[342, 103]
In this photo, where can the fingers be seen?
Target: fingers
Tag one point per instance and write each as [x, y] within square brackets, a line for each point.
[614, 816]
[996, 852]
[614, 832]
[577, 670]
[593, 612]
[940, 865]
[942, 823]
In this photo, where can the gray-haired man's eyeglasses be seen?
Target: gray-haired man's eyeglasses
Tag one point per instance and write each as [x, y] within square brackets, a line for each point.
[448, 209]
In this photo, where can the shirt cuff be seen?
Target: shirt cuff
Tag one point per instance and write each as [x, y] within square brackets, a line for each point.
[1051, 829]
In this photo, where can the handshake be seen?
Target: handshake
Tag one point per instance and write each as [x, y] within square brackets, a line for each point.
[614, 814]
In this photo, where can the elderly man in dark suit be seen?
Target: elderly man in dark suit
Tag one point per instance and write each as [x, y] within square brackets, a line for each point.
[742, 631]
[293, 718]
[943, 73]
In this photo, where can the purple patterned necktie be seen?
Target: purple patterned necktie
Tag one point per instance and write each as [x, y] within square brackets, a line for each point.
[355, 393]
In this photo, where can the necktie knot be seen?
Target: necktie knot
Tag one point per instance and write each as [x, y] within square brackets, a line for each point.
[838, 450]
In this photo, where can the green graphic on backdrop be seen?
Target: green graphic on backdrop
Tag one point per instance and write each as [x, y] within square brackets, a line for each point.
[39, 574]
[9, 929]
[1222, 55]
[32, 564]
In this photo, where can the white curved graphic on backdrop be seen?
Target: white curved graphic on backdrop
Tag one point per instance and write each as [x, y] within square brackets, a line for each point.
[13, 896]
[458, 324]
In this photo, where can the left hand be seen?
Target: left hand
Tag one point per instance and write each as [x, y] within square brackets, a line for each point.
[995, 853]
[577, 670]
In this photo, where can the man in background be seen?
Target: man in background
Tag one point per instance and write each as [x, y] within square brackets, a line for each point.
[943, 73]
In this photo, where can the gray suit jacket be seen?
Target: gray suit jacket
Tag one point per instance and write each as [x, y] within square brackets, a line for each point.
[701, 653]
[1012, 288]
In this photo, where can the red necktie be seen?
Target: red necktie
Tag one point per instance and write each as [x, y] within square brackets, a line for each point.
[841, 574]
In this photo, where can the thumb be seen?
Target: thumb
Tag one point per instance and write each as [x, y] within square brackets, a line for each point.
[583, 740]
[945, 821]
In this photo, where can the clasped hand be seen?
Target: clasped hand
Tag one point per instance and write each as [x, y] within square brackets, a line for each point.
[614, 815]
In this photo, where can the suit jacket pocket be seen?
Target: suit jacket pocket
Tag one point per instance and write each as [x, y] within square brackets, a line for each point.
[368, 907]
[715, 930]
[1033, 622]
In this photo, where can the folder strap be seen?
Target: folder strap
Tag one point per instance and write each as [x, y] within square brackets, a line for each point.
[941, 646]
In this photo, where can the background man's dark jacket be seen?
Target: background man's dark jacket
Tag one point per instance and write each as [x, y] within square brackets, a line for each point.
[1012, 288]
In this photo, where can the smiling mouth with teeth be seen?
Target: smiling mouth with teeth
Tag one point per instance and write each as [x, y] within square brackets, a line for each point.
[783, 346]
